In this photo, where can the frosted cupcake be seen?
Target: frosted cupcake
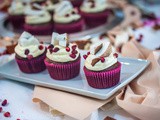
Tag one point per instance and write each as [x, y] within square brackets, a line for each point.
[16, 14]
[102, 69]
[67, 19]
[95, 12]
[38, 22]
[62, 58]
[30, 54]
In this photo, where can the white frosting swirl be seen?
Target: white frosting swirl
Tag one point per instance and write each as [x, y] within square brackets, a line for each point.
[62, 55]
[95, 6]
[37, 16]
[27, 41]
[123, 37]
[50, 6]
[16, 8]
[99, 66]
[65, 8]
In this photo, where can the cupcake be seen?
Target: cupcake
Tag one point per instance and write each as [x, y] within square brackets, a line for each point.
[67, 19]
[120, 37]
[95, 12]
[38, 22]
[102, 69]
[62, 58]
[30, 54]
[16, 14]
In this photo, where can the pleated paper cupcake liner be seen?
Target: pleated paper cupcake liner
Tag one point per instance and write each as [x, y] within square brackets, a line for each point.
[103, 79]
[34, 65]
[63, 71]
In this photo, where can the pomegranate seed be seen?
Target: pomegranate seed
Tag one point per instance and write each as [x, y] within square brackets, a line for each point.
[140, 36]
[1, 109]
[73, 12]
[67, 15]
[55, 49]
[50, 46]
[7, 114]
[102, 59]
[72, 55]
[93, 5]
[50, 50]
[139, 40]
[29, 57]
[67, 49]
[115, 55]
[18, 119]
[41, 47]
[85, 56]
[26, 52]
[4, 103]
[74, 51]
[88, 53]
[74, 47]
[119, 49]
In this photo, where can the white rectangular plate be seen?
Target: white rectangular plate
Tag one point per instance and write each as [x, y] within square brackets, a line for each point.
[131, 68]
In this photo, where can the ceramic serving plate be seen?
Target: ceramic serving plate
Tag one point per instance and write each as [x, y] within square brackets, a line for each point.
[131, 68]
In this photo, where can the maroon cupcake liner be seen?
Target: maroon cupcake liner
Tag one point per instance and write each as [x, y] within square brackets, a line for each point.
[95, 19]
[103, 79]
[41, 29]
[63, 71]
[76, 3]
[34, 65]
[17, 21]
[69, 27]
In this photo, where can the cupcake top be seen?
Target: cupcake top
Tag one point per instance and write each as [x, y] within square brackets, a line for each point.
[28, 46]
[65, 13]
[94, 6]
[38, 16]
[100, 57]
[50, 5]
[61, 50]
[123, 37]
[16, 8]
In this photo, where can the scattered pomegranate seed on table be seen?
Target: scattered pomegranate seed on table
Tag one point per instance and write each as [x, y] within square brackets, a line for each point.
[74, 51]
[7, 114]
[4, 103]
[1, 109]
[88, 53]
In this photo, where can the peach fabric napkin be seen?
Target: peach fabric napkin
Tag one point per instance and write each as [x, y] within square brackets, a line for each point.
[75, 106]
[141, 97]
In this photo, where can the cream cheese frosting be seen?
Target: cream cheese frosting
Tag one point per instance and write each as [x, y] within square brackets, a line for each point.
[29, 45]
[50, 6]
[37, 16]
[94, 6]
[62, 51]
[107, 62]
[123, 37]
[65, 13]
[16, 8]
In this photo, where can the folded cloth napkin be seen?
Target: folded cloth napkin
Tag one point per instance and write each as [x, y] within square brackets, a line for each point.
[141, 97]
